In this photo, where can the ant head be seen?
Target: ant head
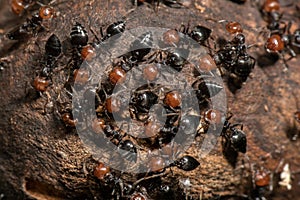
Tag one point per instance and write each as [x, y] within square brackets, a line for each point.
[239, 39]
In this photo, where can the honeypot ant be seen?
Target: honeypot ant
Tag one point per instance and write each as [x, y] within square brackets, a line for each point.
[32, 25]
[284, 41]
[105, 174]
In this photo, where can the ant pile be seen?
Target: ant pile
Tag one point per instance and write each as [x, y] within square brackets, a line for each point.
[138, 125]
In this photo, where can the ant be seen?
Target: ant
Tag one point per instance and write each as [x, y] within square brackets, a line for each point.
[282, 40]
[234, 138]
[53, 49]
[212, 117]
[169, 3]
[116, 136]
[199, 33]
[176, 58]
[262, 179]
[141, 102]
[32, 25]
[206, 89]
[113, 30]
[157, 167]
[235, 141]
[110, 179]
[185, 163]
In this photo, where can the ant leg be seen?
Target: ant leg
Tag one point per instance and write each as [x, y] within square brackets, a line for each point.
[149, 177]
[291, 52]
[288, 28]
[48, 103]
[286, 66]
[238, 124]
[230, 115]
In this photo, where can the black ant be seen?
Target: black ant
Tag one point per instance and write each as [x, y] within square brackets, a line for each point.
[205, 89]
[53, 49]
[32, 25]
[113, 29]
[169, 3]
[235, 141]
[79, 52]
[185, 163]
[199, 33]
[141, 102]
[177, 58]
[234, 138]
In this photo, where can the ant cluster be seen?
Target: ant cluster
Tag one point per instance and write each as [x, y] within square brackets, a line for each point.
[154, 102]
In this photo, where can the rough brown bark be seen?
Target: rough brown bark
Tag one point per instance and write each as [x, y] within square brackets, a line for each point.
[41, 159]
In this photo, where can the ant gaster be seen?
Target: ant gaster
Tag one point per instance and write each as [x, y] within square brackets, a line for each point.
[19, 6]
[234, 138]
